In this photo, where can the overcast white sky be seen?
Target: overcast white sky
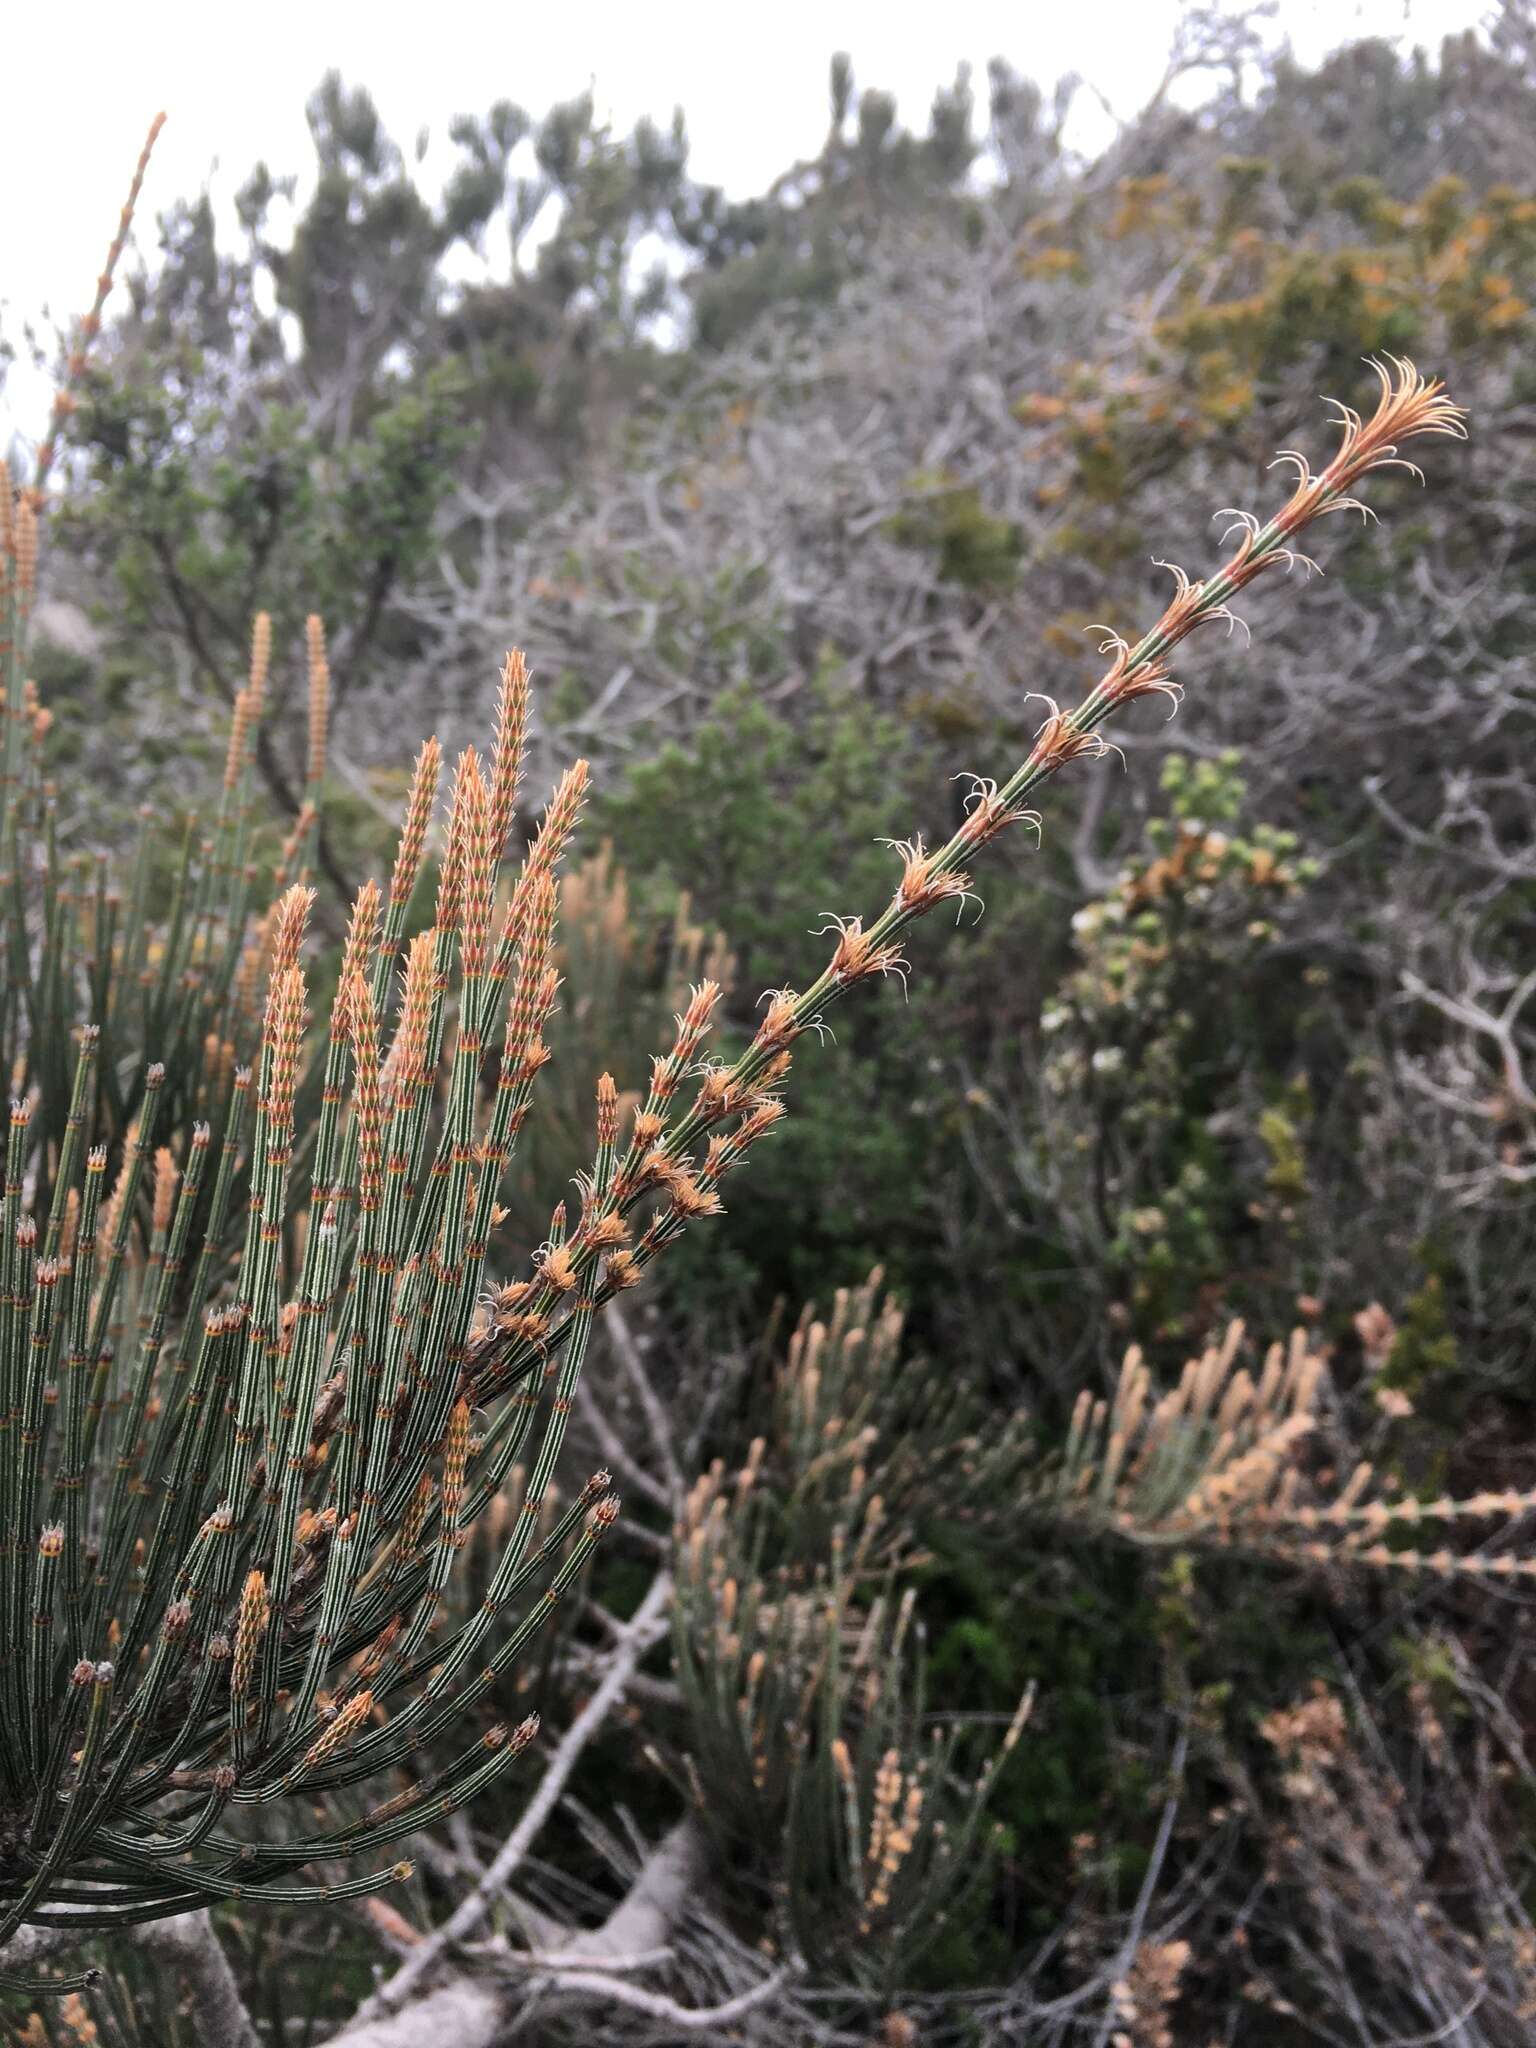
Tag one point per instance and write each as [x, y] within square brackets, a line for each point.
[82, 83]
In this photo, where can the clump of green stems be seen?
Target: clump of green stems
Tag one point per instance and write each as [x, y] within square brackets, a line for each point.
[253, 1399]
[1223, 1459]
[812, 1750]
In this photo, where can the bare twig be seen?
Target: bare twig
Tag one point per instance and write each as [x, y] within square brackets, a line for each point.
[1499, 1030]
[1149, 1884]
[644, 1918]
[617, 1457]
[217, 2010]
[29, 1945]
[468, 2013]
[640, 1633]
[627, 1351]
[656, 2005]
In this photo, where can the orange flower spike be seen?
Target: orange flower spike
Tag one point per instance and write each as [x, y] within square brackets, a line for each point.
[319, 698]
[261, 662]
[285, 1032]
[560, 819]
[249, 1630]
[26, 554]
[414, 1036]
[531, 995]
[341, 1730]
[241, 719]
[362, 937]
[290, 915]
[455, 1460]
[450, 880]
[418, 816]
[166, 1176]
[507, 759]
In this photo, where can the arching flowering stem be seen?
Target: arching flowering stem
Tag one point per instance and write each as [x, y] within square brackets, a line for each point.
[1409, 406]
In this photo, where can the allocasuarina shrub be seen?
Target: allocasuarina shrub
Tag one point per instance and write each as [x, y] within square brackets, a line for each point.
[256, 1386]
